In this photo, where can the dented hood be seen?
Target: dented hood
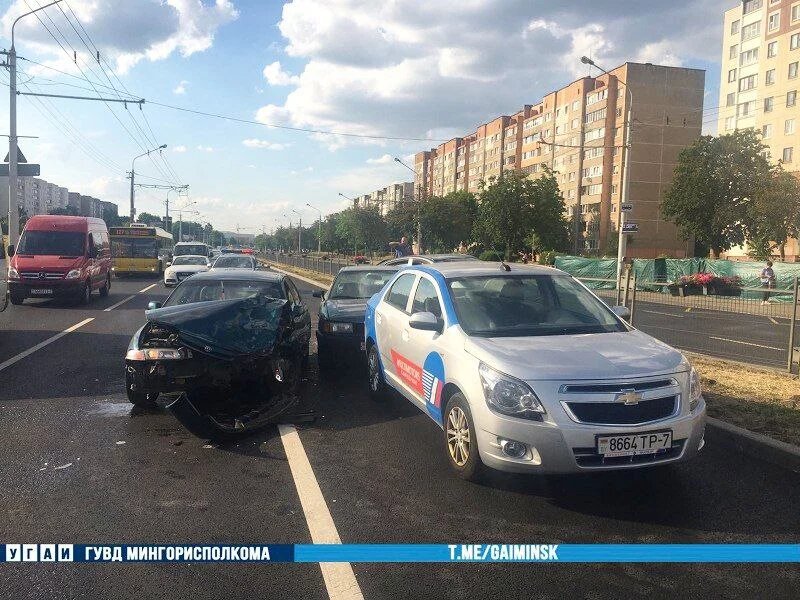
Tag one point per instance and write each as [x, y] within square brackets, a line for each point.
[227, 328]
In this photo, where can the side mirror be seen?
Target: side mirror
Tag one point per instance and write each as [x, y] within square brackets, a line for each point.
[92, 251]
[153, 305]
[318, 293]
[11, 250]
[425, 321]
[623, 312]
[169, 263]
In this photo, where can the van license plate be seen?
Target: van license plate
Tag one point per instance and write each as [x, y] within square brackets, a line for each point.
[648, 442]
[41, 292]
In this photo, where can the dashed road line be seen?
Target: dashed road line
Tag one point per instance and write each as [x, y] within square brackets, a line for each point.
[149, 287]
[745, 343]
[339, 578]
[40, 345]
[666, 314]
[120, 303]
[773, 320]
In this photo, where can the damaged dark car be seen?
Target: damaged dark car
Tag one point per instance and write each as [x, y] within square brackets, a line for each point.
[227, 349]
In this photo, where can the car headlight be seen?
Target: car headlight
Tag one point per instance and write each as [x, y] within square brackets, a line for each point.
[74, 274]
[695, 392]
[331, 327]
[509, 396]
[13, 273]
[155, 354]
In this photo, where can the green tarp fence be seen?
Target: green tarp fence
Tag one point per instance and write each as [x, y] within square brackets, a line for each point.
[592, 268]
[750, 273]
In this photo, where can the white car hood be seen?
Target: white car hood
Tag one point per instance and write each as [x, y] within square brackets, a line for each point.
[571, 357]
[186, 268]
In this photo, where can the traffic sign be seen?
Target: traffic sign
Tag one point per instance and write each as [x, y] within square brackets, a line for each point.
[630, 227]
[20, 156]
[626, 207]
[23, 169]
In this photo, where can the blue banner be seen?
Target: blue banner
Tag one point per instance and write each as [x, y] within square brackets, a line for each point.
[403, 553]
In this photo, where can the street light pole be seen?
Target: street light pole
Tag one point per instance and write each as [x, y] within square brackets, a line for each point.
[13, 209]
[319, 229]
[419, 205]
[133, 163]
[299, 231]
[626, 164]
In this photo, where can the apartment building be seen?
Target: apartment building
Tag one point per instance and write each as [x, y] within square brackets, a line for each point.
[578, 132]
[760, 81]
[35, 196]
[387, 198]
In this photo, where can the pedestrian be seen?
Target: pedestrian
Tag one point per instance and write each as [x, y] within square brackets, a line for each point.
[401, 248]
[767, 281]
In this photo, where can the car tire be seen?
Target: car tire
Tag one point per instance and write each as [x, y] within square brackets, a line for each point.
[460, 441]
[376, 383]
[16, 299]
[86, 295]
[142, 399]
[106, 287]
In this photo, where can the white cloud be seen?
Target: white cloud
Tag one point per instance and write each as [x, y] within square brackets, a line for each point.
[417, 68]
[301, 171]
[275, 75]
[180, 88]
[128, 32]
[265, 144]
[381, 160]
[179, 149]
[205, 148]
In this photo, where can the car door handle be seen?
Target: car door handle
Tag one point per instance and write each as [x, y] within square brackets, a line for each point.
[405, 335]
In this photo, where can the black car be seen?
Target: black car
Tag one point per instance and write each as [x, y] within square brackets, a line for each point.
[425, 259]
[340, 331]
[227, 347]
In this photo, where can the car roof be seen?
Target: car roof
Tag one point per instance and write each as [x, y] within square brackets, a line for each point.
[448, 257]
[190, 256]
[387, 268]
[238, 274]
[480, 268]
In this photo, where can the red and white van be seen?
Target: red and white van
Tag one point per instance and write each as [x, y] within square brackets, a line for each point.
[60, 256]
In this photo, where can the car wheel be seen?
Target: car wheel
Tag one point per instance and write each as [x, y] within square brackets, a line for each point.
[106, 287]
[461, 443]
[16, 299]
[377, 386]
[142, 399]
[87, 294]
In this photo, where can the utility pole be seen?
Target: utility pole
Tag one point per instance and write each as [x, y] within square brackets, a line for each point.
[133, 174]
[319, 229]
[419, 205]
[299, 230]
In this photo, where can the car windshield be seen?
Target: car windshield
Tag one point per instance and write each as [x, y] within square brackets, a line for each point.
[529, 305]
[196, 249]
[233, 262]
[189, 260]
[53, 243]
[130, 247]
[351, 285]
[206, 290]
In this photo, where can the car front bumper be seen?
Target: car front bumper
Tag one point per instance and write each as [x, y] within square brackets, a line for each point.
[342, 345]
[57, 288]
[571, 448]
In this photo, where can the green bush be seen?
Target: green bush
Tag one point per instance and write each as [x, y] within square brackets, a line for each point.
[490, 255]
[547, 257]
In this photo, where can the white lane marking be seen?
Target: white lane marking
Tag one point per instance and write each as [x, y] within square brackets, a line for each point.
[745, 343]
[300, 277]
[120, 303]
[40, 345]
[655, 312]
[339, 578]
[149, 287]
[773, 320]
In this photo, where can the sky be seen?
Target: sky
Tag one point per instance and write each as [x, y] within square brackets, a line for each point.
[414, 70]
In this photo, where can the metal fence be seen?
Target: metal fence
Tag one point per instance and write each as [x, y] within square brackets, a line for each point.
[752, 325]
[328, 265]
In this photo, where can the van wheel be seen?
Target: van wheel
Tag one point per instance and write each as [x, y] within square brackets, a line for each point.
[106, 287]
[377, 387]
[16, 299]
[87, 294]
[460, 441]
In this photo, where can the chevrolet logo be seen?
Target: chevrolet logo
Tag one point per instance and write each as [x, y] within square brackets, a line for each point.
[628, 397]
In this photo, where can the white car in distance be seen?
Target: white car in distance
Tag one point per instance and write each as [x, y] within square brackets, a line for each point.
[184, 266]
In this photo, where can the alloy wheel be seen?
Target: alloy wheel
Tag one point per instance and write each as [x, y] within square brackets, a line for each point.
[458, 440]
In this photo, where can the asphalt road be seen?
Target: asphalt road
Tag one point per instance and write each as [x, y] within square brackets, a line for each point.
[67, 477]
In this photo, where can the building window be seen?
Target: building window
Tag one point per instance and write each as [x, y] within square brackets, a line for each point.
[735, 27]
[766, 131]
[787, 155]
[788, 127]
[768, 80]
[769, 104]
[794, 41]
[772, 49]
[791, 98]
[792, 70]
[774, 21]
[749, 57]
[749, 82]
[746, 108]
[733, 51]
[731, 75]
[749, 6]
[753, 30]
[795, 12]
[730, 99]
[730, 123]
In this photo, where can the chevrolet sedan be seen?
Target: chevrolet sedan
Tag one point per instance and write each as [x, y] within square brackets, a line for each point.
[526, 370]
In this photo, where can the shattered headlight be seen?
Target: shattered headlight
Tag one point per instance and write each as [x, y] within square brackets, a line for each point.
[156, 354]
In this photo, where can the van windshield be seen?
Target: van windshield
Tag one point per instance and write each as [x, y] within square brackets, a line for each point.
[52, 243]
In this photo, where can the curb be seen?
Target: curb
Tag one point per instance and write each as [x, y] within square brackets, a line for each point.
[755, 444]
[318, 284]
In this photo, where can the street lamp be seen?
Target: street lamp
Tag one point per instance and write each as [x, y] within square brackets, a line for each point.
[622, 243]
[133, 162]
[419, 205]
[299, 230]
[353, 200]
[180, 222]
[319, 232]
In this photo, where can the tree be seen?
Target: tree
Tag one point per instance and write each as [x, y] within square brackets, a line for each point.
[713, 183]
[67, 210]
[151, 220]
[550, 226]
[773, 215]
[362, 228]
[401, 221]
[448, 220]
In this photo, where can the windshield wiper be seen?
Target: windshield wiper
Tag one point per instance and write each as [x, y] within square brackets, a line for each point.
[76, 256]
[347, 298]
